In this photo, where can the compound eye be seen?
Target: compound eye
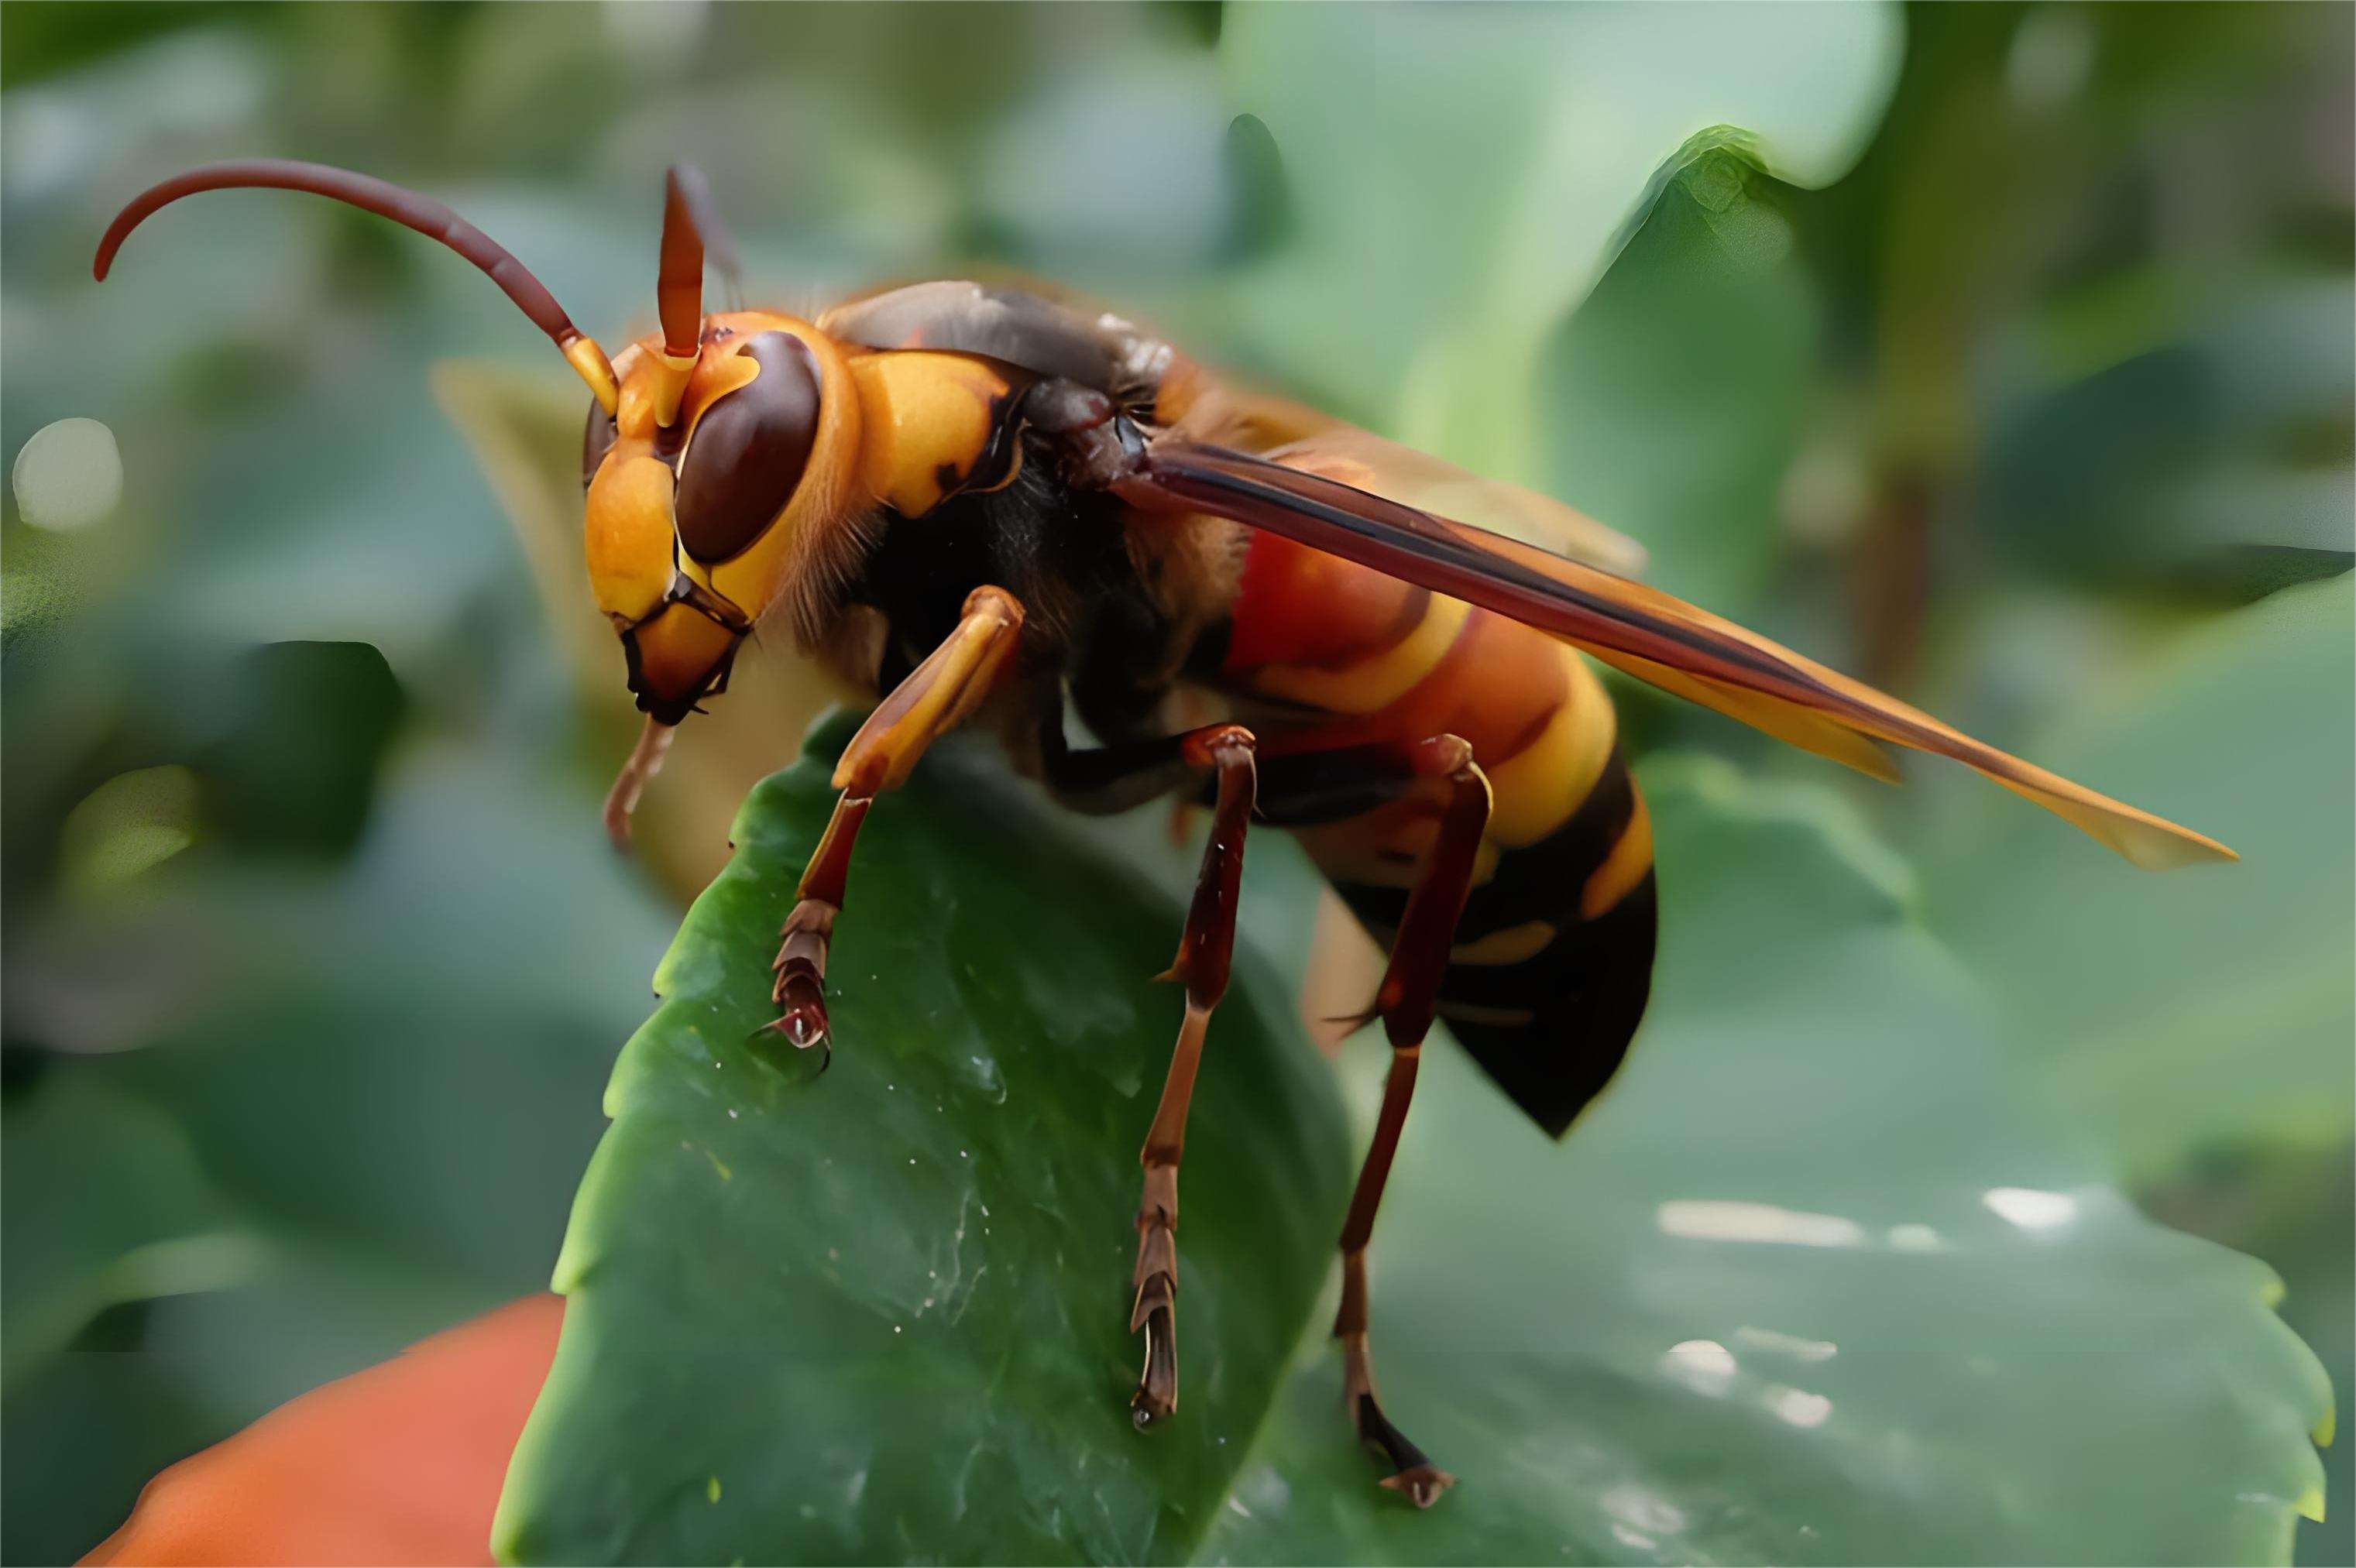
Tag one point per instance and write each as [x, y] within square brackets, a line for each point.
[747, 451]
[596, 440]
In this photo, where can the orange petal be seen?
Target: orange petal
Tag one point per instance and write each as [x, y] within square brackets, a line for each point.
[400, 1464]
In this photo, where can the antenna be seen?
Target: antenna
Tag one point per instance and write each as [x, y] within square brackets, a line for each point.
[424, 214]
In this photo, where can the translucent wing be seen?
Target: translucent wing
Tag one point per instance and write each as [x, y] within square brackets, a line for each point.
[1198, 407]
[1648, 633]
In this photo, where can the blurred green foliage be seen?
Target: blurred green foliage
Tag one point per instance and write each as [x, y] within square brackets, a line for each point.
[2001, 358]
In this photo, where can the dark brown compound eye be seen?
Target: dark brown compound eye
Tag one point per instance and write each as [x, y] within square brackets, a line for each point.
[596, 440]
[748, 451]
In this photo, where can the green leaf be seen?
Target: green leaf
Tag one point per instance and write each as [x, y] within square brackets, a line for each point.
[2199, 1024]
[884, 1312]
[2295, 1208]
[1815, 1280]
[2212, 1005]
[1675, 401]
[83, 1432]
[1812, 1282]
[2206, 466]
[104, 1204]
[1259, 199]
[1463, 177]
[300, 732]
[280, 1124]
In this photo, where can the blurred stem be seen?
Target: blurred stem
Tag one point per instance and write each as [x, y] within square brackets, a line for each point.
[1891, 576]
[1949, 168]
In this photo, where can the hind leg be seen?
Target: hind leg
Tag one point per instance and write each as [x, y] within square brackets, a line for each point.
[1306, 787]
[1406, 1000]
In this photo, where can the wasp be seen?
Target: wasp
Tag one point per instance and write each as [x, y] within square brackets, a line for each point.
[983, 504]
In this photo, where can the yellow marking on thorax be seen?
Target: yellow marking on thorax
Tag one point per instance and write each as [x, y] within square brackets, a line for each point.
[1379, 680]
[927, 414]
[1624, 867]
[1535, 791]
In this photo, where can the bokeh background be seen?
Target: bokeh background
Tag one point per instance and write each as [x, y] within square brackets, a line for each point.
[2006, 363]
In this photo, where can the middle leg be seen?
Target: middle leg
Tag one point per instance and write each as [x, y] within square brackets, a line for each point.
[1293, 789]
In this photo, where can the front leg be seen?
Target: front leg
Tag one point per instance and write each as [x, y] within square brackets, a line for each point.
[936, 696]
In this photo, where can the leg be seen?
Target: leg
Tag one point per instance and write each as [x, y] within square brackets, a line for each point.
[1201, 967]
[1293, 789]
[935, 698]
[1409, 992]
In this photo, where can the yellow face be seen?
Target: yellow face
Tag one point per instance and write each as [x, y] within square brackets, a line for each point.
[698, 524]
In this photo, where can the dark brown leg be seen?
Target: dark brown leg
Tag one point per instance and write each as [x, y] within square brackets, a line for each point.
[1409, 993]
[935, 698]
[1201, 967]
[1293, 788]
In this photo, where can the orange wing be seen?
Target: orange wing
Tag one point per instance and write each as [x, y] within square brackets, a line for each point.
[1648, 633]
[1197, 407]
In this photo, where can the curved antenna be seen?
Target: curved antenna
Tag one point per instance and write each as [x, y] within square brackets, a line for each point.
[679, 290]
[424, 214]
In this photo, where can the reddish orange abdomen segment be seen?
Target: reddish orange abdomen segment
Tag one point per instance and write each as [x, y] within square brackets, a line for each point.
[1551, 964]
[1303, 607]
[1378, 660]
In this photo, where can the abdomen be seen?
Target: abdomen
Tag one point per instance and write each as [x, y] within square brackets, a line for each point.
[1553, 957]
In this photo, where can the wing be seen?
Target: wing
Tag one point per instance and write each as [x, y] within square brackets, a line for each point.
[1648, 633]
[1199, 408]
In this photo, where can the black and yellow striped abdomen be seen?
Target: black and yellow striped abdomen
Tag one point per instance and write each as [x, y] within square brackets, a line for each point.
[1544, 987]
[1552, 962]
